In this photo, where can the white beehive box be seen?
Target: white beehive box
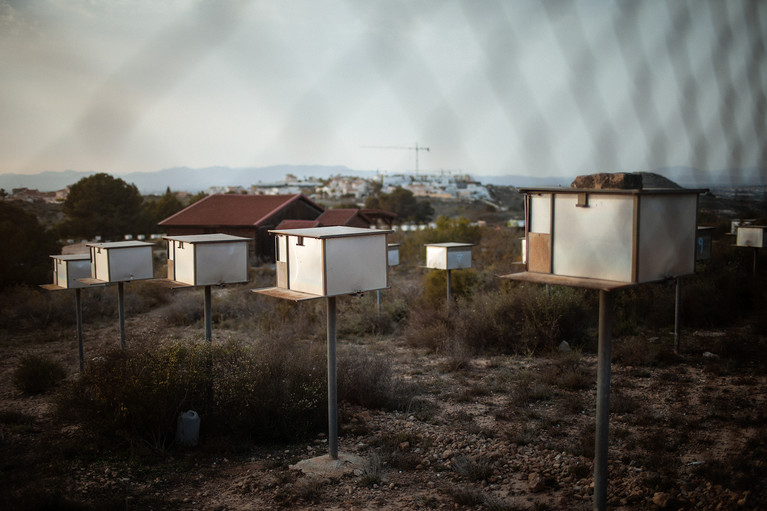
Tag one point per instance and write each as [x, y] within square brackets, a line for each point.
[631, 236]
[448, 256]
[207, 259]
[704, 243]
[740, 222]
[331, 261]
[67, 269]
[393, 254]
[121, 261]
[751, 236]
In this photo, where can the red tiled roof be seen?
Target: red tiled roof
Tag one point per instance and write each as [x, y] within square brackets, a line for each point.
[378, 213]
[332, 217]
[233, 210]
[297, 224]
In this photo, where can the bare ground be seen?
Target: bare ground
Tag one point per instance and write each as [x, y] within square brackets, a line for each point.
[505, 432]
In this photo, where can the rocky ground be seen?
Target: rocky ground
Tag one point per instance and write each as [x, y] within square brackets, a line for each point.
[502, 433]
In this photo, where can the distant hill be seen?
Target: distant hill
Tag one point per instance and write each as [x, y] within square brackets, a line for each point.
[195, 180]
[180, 178]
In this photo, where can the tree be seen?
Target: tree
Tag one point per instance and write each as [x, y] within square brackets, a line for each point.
[154, 211]
[101, 205]
[196, 197]
[403, 203]
[25, 256]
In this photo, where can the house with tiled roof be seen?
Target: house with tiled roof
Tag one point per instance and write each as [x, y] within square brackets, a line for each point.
[250, 216]
[349, 217]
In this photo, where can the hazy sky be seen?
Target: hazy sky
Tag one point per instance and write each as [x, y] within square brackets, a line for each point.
[491, 87]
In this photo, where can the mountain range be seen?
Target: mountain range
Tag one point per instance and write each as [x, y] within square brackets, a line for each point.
[198, 179]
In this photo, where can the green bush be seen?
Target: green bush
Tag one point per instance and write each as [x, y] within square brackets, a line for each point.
[462, 285]
[36, 374]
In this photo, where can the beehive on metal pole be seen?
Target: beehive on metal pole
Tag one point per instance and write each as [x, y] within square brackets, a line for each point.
[392, 259]
[608, 238]
[752, 236]
[120, 262]
[326, 262]
[448, 256]
[206, 260]
[68, 269]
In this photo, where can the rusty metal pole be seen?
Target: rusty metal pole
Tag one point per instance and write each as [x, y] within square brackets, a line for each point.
[677, 314]
[378, 301]
[332, 388]
[121, 311]
[603, 400]
[208, 329]
[79, 315]
[449, 285]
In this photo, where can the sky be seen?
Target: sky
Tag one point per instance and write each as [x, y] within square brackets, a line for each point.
[508, 87]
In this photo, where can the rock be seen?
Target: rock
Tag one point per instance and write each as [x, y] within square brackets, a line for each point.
[708, 354]
[564, 347]
[535, 482]
[616, 181]
[661, 499]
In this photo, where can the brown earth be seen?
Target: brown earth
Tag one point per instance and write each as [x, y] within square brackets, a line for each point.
[504, 432]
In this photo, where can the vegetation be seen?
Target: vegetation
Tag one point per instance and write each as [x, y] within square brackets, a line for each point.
[155, 211]
[404, 204]
[101, 205]
[24, 260]
[464, 399]
[36, 374]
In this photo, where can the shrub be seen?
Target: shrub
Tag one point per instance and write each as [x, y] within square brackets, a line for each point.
[462, 285]
[369, 381]
[258, 393]
[523, 319]
[36, 374]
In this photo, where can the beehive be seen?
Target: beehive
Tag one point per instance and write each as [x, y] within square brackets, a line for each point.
[704, 243]
[448, 256]
[331, 261]
[623, 235]
[751, 236]
[121, 261]
[393, 254]
[207, 259]
[67, 269]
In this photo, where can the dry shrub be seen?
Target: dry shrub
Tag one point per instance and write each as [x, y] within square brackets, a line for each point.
[641, 352]
[262, 393]
[36, 374]
[29, 308]
[568, 372]
[369, 381]
[186, 308]
[429, 328]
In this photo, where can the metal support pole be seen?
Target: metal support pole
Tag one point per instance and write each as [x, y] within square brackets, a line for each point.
[756, 253]
[677, 314]
[378, 302]
[121, 311]
[449, 285]
[332, 388]
[603, 401]
[208, 329]
[79, 315]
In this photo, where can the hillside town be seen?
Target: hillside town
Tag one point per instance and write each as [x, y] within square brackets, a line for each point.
[436, 186]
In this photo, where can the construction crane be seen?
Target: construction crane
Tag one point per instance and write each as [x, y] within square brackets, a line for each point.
[415, 148]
